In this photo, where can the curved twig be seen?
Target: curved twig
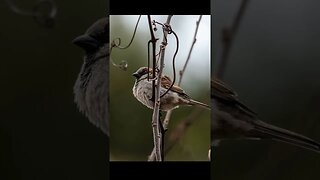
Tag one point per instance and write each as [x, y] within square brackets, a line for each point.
[44, 12]
[168, 115]
[173, 64]
[116, 43]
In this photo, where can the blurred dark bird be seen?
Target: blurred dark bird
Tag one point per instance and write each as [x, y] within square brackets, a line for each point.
[233, 120]
[91, 87]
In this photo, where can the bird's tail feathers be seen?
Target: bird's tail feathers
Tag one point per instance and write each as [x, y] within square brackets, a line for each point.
[266, 131]
[194, 102]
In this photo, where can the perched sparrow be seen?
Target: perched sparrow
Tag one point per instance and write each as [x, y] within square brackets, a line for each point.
[91, 86]
[142, 90]
[233, 120]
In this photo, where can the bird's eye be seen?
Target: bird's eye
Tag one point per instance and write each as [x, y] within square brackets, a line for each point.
[145, 70]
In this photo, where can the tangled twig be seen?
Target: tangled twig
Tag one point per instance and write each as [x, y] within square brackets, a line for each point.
[116, 43]
[44, 12]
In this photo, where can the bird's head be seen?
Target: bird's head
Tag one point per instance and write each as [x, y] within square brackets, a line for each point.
[142, 71]
[96, 36]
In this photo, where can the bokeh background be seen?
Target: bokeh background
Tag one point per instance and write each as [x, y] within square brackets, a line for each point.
[274, 65]
[42, 133]
[130, 121]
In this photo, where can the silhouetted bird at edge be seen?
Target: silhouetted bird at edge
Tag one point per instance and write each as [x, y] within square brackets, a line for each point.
[233, 120]
[91, 86]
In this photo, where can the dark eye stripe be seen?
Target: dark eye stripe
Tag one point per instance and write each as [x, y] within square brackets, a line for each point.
[144, 71]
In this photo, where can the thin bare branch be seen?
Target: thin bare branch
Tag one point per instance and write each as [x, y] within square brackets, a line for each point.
[155, 116]
[44, 12]
[185, 123]
[190, 51]
[228, 35]
[168, 29]
[153, 41]
[158, 137]
[168, 115]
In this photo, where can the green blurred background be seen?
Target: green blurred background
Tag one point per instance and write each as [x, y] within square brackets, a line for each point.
[130, 121]
[274, 66]
[42, 133]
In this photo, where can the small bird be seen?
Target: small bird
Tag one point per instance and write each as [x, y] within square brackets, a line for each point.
[233, 120]
[142, 91]
[91, 87]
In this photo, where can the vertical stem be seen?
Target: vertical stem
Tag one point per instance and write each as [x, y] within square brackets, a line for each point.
[155, 117]
[168, 114]
[190, 51]
[228, 35]
[155, 123]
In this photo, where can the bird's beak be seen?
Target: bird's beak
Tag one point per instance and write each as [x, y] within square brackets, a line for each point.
[136, 75]
[86, 42]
